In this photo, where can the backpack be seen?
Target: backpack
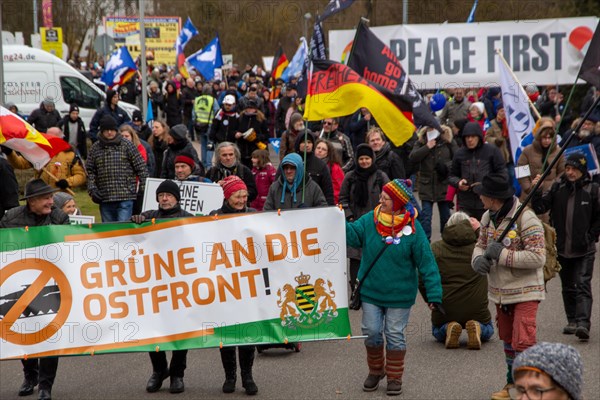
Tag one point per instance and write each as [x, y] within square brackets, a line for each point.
[552, 267]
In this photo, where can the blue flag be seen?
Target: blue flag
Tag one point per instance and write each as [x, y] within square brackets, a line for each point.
[119, 68]
[150, 113]
[206, 60]
[187, 33]
[294, 69]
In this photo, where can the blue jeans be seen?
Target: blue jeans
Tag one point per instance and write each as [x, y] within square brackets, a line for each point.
[116, 211]
[391, 322]
[487, 331]
[427, 214]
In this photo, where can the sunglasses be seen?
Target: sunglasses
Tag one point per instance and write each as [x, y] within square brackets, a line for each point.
[328, 123]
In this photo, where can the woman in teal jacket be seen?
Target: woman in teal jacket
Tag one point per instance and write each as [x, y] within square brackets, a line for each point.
[389, 290]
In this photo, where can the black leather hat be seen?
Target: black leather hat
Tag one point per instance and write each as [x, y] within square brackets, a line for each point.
[496, 186]
[37, 187]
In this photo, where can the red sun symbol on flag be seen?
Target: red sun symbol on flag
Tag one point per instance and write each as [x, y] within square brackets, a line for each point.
[580, 38]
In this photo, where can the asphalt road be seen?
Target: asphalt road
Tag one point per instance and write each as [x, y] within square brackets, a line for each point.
[324, 370]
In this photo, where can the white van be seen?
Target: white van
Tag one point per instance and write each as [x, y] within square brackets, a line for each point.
[31, 74]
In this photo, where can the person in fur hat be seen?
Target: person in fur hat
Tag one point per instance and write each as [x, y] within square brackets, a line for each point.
[434, 151]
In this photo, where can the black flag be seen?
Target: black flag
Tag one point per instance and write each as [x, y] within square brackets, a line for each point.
[317, 43]
[375, 62]
[335, 6]
[590, 67]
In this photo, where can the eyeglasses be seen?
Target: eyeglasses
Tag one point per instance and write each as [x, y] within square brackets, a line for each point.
[534, 393]
[328, 123]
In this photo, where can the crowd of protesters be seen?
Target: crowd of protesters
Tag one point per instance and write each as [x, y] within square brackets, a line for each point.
[467, 166]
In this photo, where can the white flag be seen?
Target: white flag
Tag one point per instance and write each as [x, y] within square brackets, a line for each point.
[518, 115]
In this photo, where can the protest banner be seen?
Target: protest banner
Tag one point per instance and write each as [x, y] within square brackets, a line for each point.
[175, 284]
[161, 35]
[543, 51]
[197, 198]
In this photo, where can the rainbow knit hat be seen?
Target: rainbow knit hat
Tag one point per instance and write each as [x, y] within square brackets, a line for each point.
[400, 191]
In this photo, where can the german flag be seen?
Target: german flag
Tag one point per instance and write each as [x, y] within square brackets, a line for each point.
[337, 90]
[280, 62]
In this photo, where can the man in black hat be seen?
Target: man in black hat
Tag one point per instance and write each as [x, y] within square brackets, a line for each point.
[74, 130]
[116, 173]
[110, 108]
[38, 211]
[574, 205]
[514, 267]
[470, 164]
[168, 197]
[142, 129]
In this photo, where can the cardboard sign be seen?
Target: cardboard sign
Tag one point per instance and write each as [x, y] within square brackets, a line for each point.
[81, 219]
[197, 198]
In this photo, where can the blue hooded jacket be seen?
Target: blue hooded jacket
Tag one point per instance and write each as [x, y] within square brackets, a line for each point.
[295, 160]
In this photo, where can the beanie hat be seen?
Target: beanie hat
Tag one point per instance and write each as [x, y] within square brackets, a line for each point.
[168, 186]
[479, 106]
[61, 198]
[48, 101]
[107, 123]
[577, 160]
[178, 132]
[364, 149]
[560, 361]
[74, 107]
[137, 116]
[186, 158]
[232, 184]
[400, 191]
[109, 95]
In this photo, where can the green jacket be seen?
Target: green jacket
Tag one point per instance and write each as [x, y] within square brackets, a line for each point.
[393, 281]
[465, 291]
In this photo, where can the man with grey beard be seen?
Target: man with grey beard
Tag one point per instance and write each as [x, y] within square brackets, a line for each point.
[585, 136]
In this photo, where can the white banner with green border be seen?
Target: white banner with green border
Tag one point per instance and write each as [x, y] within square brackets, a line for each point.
[173, 284]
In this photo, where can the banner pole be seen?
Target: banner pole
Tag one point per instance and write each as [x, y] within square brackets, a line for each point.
[520, 210]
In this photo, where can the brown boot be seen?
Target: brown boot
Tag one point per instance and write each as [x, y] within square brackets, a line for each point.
[474, 335]
[394, 369]
[375, 361]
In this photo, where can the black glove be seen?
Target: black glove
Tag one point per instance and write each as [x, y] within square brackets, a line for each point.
[493, 250]
[442, 170]
[96, 197]
[62, 184]
[6, 150]
[482, 265]
[138, 219]
[438, 307]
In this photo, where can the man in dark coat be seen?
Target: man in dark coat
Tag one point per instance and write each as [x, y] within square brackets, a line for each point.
[74, 131]
[574, 205]
[44, 117]
[168, 197]
[110, 108]
[178, 143]
[38, 211]
[470, 164]
[228, 163]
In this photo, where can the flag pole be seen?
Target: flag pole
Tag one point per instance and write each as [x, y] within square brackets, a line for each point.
[521, 208]
[536, 112]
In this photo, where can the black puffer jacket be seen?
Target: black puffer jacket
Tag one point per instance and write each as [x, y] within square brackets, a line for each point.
[173, 150]
[42, 119]
[22, 216]
[473, 165]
